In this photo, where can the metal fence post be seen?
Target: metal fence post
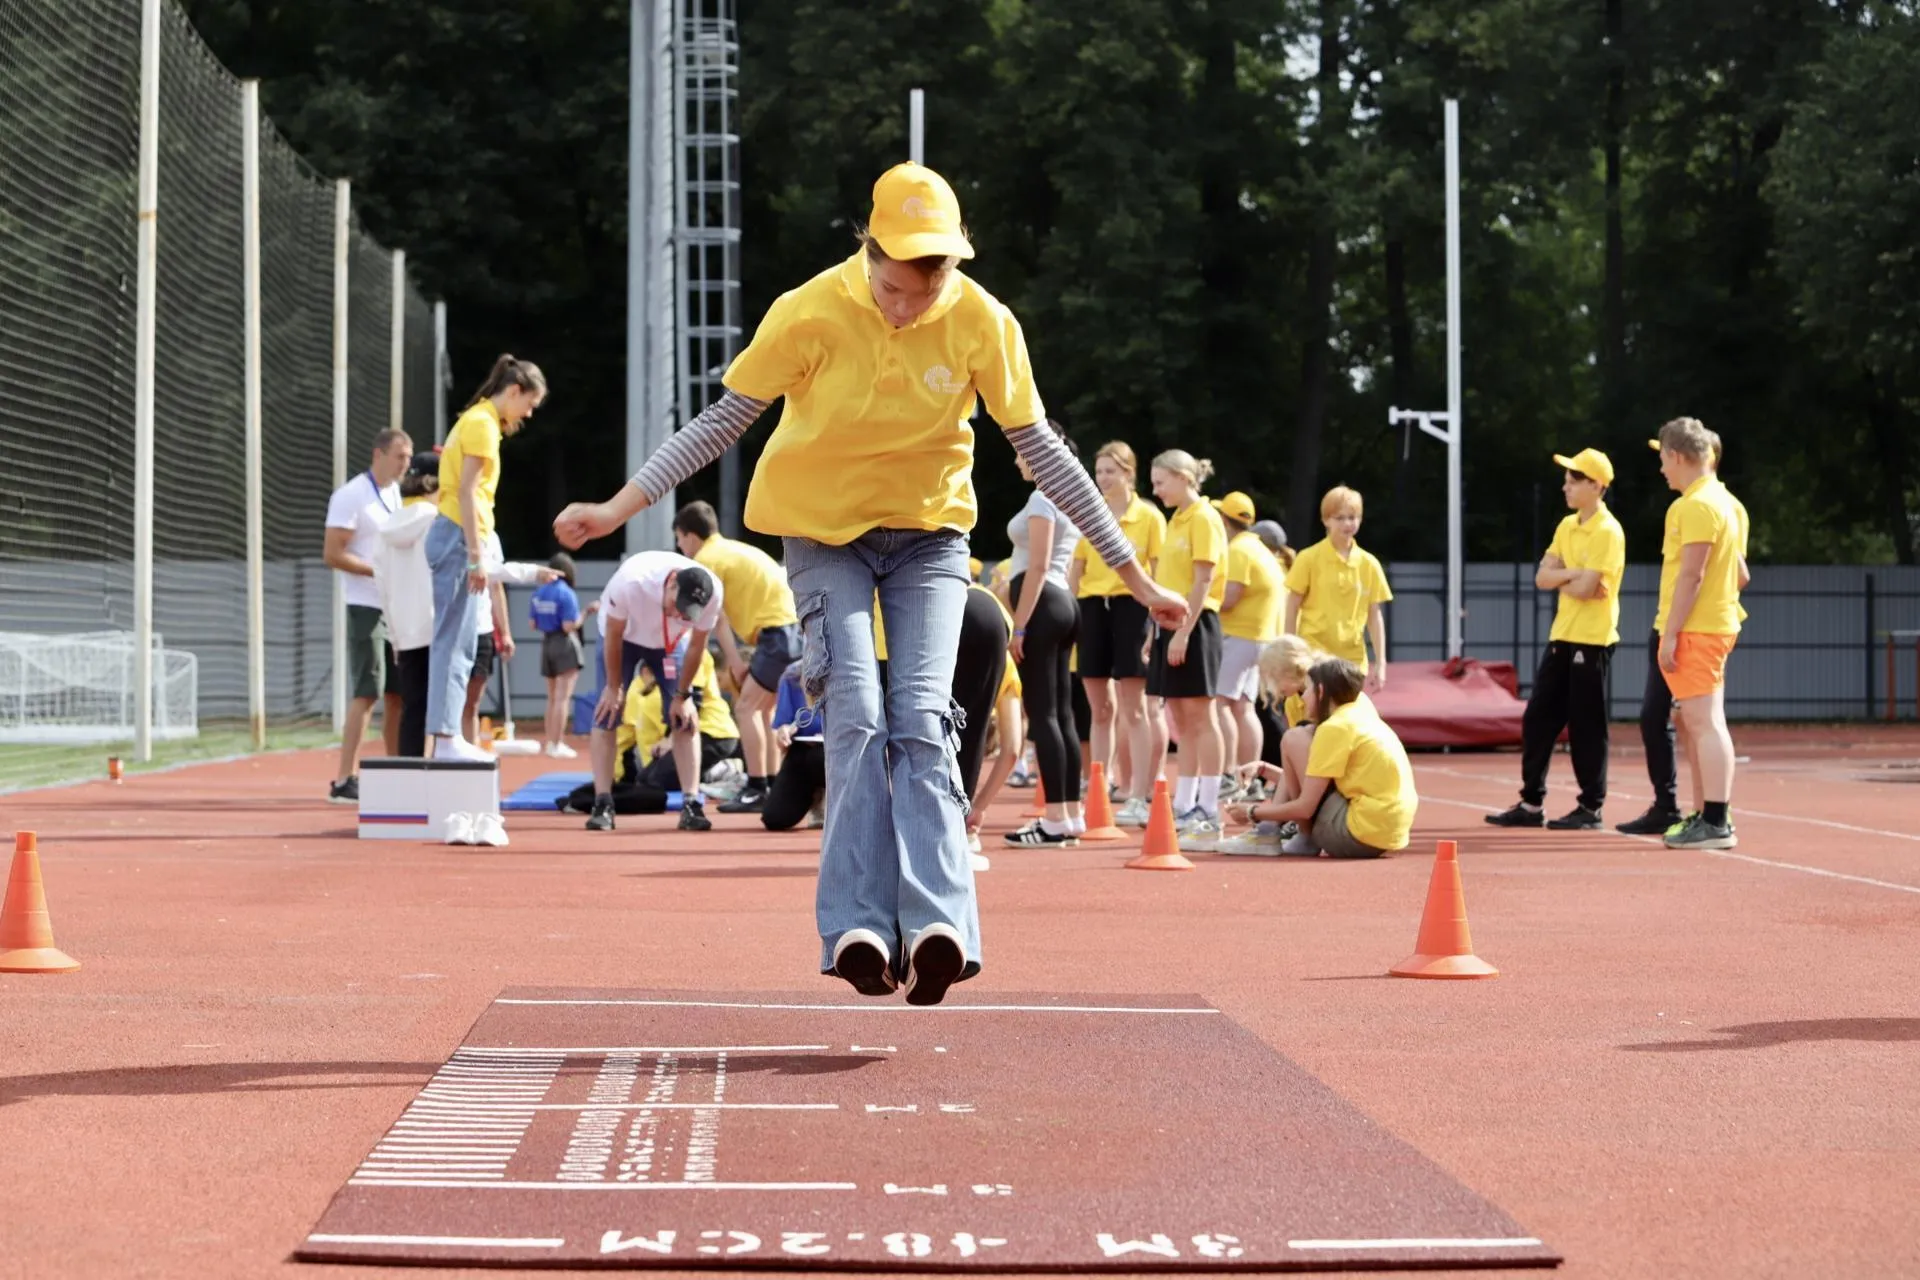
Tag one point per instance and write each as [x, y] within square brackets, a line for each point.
[1866, 645]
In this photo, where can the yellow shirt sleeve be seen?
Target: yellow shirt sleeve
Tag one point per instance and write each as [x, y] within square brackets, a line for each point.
[1004, 376]
[1300, 578]
[1208, 543]
[1239, 564]
[1378, 592]
[771, 365]
[1332, 748]
[1608, 551]
[1558, 547]
[480, 438]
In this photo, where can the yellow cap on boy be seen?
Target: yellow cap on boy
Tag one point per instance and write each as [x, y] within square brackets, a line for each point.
[916, 215]
[1591, 463]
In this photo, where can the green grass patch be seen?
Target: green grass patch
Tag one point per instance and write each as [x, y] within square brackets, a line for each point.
[25, 767]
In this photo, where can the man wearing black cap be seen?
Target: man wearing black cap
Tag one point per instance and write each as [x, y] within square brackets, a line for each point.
[654, 599]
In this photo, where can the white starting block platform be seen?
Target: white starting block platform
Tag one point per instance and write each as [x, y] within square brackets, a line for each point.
[408, 799]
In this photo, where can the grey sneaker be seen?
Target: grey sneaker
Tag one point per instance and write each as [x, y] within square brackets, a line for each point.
[1698, 833]
[1580, 818]
[693, 817]
[346, 791]
[601, 819]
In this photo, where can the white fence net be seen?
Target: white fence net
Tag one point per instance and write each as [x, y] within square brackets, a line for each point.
[69, 156]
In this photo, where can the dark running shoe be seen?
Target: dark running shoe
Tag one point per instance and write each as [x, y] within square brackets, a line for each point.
[1518, 816]
[1654, 822]
[693, 817]
[752, 800]
[1035, 834]
[1581, 819]
[934, 963]
[1701, 834]
[860, 959]
[347, 792]
[601, 819]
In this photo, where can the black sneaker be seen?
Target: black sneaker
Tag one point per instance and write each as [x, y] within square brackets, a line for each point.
[934, 964]
[1518, 816]
[1654, 822]
[752, 800]
[1035, 834]
[693, 817]
[601, 819]
[1581, 819]
[1698, 833]
[347, 792]
[860, 958]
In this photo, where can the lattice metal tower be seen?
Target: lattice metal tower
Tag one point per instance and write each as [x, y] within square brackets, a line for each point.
[706, 58]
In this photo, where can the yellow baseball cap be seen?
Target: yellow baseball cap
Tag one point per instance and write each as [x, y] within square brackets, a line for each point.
[1590, 463]
[916, 215]
[1235, 506]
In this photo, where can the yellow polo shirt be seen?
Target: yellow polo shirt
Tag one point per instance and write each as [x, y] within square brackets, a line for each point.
[1355, 748]
[643, 721]
[875, 431]
[1600, 543]
[1705, 512]
[1194, 536]
[476, 434]
[1335, 595]
[1257, 616]
[753, 590]
[1145, 528]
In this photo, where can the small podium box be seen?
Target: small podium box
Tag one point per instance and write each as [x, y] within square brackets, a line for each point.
[407, 799]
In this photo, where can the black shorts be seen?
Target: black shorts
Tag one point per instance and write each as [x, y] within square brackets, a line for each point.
[483, 653]
[1113, 630]
[776, 649]
[1195, 677]
[560, 653]
[632, 658]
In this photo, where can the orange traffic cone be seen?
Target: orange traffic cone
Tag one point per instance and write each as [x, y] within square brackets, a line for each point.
[1039, 809]
[26, 931]
[1444, 948]
[1100, 808]
[1160, 849]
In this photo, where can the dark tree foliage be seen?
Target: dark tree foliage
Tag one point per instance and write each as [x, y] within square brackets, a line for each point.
[1221, 223]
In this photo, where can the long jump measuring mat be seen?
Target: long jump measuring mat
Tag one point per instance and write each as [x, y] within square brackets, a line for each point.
[993, 1133]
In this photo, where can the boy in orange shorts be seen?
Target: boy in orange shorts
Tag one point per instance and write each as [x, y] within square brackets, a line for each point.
[1699, 620]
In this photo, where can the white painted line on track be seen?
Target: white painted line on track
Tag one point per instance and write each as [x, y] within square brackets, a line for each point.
[842, 1008]
[1729, 854]
[502, 1242]
[511, 1051]
[606, 1186]
[481, 1108]
[1436, 1242]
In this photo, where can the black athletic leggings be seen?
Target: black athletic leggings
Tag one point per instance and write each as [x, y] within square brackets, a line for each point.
[1047, 689]
[978, 668]
[801, 781]
[412, 665]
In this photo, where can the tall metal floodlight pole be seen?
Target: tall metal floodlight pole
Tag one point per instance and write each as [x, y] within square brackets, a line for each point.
[917, 125]
[1445, 426]
[650, 334]
[145, 283]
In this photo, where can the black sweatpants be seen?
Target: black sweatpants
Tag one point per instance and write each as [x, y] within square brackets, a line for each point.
[412, 667]
[1047, 689]
[978, 668]
[1569, 692]
[1656, 730]
[802, 780]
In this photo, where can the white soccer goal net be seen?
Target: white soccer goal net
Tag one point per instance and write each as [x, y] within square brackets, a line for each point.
[66, 689]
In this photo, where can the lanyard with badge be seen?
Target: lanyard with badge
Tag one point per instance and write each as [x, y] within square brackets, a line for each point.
[378, 496]
[669, 664]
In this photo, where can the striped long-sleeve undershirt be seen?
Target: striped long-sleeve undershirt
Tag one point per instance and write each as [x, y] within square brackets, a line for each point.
[1067, 485]
[717, 428]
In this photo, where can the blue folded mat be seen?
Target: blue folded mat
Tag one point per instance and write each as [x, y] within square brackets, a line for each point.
[540, 794]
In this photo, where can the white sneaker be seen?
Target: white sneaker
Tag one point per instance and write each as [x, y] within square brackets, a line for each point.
[1133, 813]
[980, 862]
[561, 751]
[1198, 833]
[489, 829]
[973, 842]
[455, 748]
[1252, 843]
[1300, 845]
[459, 828]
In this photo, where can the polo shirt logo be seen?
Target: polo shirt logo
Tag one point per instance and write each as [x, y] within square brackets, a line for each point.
[940, 379]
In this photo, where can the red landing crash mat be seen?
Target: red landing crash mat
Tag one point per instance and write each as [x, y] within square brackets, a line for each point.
[991, 1133]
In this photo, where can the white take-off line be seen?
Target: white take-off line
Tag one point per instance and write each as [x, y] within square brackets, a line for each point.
[513, 1051]
[402, 1181]
[915, 1010]
[1422, 1242]
[480, 1108]
[1728, 854]
[444, 1242]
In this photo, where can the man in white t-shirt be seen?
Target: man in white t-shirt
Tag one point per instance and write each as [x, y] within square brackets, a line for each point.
[354, 516]
[653, 599]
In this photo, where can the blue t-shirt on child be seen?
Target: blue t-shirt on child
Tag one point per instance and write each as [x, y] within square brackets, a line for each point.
[555, 605]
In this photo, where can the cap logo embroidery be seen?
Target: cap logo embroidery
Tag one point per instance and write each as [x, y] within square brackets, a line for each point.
[915, 207]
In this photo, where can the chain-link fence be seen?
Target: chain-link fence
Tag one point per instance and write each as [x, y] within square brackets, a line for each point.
[70, 89]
